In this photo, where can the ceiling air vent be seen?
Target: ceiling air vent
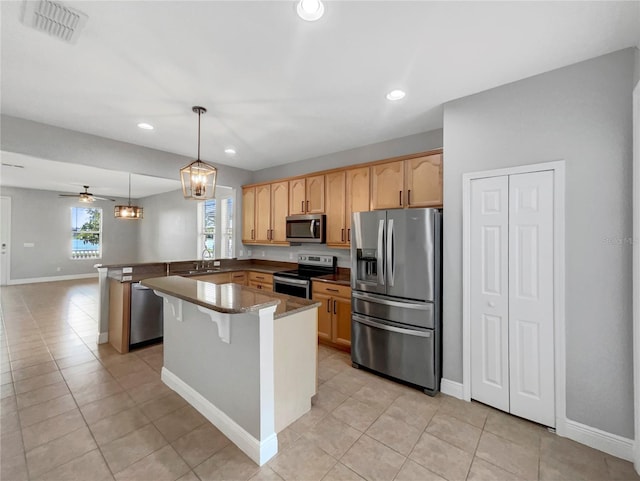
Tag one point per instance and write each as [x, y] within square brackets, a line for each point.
[54, 18]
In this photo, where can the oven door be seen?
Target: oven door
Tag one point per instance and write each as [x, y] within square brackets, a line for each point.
[292, 287]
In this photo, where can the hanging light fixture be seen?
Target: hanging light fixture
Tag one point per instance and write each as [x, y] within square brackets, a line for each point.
[198, 178]
[128, 211]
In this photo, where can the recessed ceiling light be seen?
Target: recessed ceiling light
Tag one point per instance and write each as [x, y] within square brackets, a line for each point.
[310, 10]
[396, 95]
[145, 126]
[230, 151]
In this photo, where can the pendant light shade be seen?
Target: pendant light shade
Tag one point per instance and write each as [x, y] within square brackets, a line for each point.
[198, 178]
[128, 211]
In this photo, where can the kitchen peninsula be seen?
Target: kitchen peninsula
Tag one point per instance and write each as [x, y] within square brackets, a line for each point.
[246, 359]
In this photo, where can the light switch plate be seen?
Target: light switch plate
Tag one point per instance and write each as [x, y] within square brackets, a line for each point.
[127, 270]
[29, 244]
[126, 278]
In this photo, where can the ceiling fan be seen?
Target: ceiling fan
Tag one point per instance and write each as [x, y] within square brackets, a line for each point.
[86, 196]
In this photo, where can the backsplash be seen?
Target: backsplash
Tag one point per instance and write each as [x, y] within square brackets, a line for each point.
[290, 254]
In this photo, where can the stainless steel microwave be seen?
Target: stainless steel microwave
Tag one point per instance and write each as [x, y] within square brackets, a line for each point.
[306, 228]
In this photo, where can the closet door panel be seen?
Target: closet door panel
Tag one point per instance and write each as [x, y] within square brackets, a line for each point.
[531, 323]
[489, 291]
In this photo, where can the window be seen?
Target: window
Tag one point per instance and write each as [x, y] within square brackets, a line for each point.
[86, 233]
[215, 225]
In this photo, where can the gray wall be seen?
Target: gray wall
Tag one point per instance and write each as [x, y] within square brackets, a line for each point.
[580, 114]
[368, 153]
[44, 219]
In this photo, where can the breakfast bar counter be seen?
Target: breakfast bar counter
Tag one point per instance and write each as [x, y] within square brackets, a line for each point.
[244, 358]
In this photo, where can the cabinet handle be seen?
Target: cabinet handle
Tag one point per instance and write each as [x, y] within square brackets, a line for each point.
[302, 208]
[401, 198]
[268, 234]
[332, 290]
[252, 236]
[342, 236]
[329, 306]
[409, 197]
[271, 238]
[349, 235]
[334, 306]
[259, 277]
[307, 206]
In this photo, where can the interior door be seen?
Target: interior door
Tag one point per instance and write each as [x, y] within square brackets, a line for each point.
[410, 250]
[531, 336]
[489, 308]
[5, 232]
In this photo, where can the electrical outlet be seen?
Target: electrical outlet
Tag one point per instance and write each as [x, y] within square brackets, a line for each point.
[249, 252]
[263, 253]
[290, 255]
[216, 263]
[241, 253]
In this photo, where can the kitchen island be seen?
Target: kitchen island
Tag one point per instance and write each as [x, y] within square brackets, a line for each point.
[245, 358]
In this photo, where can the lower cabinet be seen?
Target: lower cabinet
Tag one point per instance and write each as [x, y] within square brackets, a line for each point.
[334, 315]
[119, 315]
[239, 278]
[260, 280]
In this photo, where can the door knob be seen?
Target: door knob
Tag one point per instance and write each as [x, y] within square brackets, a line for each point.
[492, 304]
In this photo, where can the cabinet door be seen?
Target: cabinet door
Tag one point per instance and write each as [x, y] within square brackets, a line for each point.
[424, 181]
[297, 197]
[324, 316]
[279, 211]
[335, 203]
[315, 194]
[357, 195]
[342, 321]
[248, 214]
[263, 213]
[387, 185]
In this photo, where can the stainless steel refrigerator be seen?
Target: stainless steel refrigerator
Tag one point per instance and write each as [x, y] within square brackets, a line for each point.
[396, 294]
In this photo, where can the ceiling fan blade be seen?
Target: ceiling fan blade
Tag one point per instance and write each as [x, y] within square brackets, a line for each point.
[102, 198]
[68, 195]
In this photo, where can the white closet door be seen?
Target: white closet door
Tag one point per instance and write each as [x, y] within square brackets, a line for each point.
[531, 347]
[489, 291]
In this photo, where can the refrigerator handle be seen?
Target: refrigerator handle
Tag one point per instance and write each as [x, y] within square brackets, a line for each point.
[380, 253]
[390, 254]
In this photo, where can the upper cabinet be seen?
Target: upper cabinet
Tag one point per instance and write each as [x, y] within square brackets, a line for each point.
[264, 213]
[347, 192]
[306, 195]
[248, 214]
[415, 182]
[424, 181]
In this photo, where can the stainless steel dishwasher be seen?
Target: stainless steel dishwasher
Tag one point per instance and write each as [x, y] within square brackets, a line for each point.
[146, 316]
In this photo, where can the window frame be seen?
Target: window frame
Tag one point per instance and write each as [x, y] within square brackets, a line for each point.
[219, 237]
[99, 232]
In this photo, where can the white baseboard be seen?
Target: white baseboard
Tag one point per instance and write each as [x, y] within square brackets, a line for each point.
[259, 451]
[103, 337]
[35, 280]
[601, 440]
[452, 388]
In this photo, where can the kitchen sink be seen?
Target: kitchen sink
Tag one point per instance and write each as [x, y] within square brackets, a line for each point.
[198, 271]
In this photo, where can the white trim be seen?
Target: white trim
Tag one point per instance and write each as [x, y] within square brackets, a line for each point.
[8, 253]
[601, 440]
[558, 167]
[35, 280]
[103, 338]
[452, 388]
[636, 268]
[259, 452]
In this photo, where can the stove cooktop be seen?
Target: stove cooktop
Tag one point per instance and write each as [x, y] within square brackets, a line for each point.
[311, 266]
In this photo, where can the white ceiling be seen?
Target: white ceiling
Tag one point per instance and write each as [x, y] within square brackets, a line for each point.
[45, 174]
[280, 89]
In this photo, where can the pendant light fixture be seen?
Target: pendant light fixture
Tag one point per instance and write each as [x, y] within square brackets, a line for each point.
[128, 211]
[198, 178]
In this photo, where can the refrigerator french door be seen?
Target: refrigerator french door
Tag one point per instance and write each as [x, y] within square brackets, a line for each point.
[396, 300]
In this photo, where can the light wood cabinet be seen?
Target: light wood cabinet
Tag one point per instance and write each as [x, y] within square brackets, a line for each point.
[347, 192]
[335, 203]
[269, 210]
[221, 278]
[387, 185]
[306, 195]
[415, 182]
[260, 280]
[424, 181]
[239, 278]
[279, 212]
[334, 314]
[248, 214]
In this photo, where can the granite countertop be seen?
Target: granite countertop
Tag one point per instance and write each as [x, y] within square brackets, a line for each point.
[341, 279]
[227, 298]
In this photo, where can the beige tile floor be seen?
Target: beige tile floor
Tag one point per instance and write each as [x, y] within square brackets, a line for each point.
[72, 410]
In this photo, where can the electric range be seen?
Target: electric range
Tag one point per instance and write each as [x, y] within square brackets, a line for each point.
[297, 282]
